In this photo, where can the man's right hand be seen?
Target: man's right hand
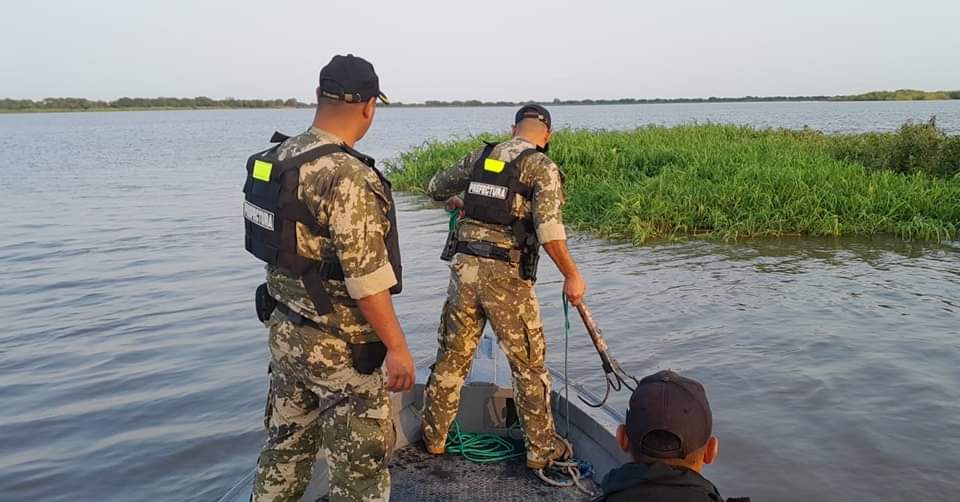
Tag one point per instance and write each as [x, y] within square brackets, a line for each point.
[401, 373]
[574, 288]
[378, 311]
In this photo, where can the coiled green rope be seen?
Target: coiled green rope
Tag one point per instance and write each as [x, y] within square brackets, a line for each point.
[481, 448]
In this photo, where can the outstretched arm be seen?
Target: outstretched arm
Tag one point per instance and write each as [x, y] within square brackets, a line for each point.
[548, 203]
[574, 286]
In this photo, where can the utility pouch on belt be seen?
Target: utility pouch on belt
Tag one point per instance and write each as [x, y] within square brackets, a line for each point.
[450, 247]
[367, 357]
[264, 302]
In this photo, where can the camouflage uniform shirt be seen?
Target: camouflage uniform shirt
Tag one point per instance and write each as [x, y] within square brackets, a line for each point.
[347, 196]
[537, 170]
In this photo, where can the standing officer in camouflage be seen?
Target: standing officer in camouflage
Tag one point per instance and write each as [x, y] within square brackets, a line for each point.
[322, 217]
[512, 205]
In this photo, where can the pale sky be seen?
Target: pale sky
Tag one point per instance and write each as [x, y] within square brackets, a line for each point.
[490, 50]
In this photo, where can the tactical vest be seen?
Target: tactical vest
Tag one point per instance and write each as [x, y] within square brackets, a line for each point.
[272, 208]
[493, 186]
[489, 198]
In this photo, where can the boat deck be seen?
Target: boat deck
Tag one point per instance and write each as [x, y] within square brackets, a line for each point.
[486, 406]
[419, 476]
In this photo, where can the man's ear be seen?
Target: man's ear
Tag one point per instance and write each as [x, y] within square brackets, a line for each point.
[546, 138]
[622, 438]
[711, 451]
[513, 130]
[369, 108]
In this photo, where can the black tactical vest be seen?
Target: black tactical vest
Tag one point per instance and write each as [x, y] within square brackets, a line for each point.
[493, 186]
[272, 208]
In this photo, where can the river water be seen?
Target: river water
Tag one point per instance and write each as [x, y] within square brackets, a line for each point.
[132, 366]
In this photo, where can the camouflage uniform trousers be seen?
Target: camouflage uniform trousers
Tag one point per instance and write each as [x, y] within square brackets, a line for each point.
[484, 289]
[319, 402]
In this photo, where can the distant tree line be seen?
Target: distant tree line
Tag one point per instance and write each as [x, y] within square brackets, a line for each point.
[900, 95]
[199, 102]
[203, 102]
[620, 101]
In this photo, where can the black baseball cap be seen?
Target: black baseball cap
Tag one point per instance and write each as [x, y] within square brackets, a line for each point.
[350, 78]
[668, 402]
[533, 111]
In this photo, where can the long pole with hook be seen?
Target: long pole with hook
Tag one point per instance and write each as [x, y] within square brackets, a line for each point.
[616, 377]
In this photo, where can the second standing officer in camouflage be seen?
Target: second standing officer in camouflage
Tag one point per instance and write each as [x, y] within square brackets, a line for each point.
[322, 217]
[512, 204]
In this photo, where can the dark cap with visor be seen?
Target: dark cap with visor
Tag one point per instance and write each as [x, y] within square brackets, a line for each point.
[669, 403]
[351, 79]
[533, 111]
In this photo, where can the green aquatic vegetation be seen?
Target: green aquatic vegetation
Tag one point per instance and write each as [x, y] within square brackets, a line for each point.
[915, 147]
[731, 182]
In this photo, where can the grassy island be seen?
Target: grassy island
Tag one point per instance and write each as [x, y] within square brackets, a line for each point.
[730, 182]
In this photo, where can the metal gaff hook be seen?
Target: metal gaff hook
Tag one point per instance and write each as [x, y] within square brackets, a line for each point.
[616, 377]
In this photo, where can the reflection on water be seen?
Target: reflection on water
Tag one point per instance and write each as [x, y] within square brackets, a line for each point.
[132, 366]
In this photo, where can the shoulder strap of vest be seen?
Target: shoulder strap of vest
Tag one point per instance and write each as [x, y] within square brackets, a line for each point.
[294, 208]
[524, 190]
[309, 156]
[522, 155]
[366, 159]
[478, 165]
[487, 150]
[278, 137]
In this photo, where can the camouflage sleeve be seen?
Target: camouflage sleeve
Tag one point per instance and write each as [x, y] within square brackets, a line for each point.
[454, 179]
[358, 225]
[548, 202]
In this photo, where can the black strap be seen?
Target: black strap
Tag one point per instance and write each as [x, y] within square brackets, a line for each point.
[366, 159]
[278, 137]
[522, 189]
[299, 212]
[488, 250]
[295, 317]
[296, 161]
[296, 209]
[487, 149]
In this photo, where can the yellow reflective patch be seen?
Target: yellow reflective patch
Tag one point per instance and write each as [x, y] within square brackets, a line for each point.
[262, 170]
[493, 165]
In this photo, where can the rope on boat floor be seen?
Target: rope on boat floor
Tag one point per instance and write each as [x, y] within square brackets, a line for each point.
[569, 469]
[481, 448]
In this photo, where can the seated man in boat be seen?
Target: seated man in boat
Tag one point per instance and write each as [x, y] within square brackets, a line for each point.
[669, 436]
[512, 205]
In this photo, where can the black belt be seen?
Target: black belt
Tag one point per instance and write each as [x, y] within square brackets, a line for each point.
[487, 250]
[295, 317]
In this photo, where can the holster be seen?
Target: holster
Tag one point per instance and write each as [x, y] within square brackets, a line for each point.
[264, 302]
[529, 260]
[450, 247]
[367, 357]
[529, 249]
